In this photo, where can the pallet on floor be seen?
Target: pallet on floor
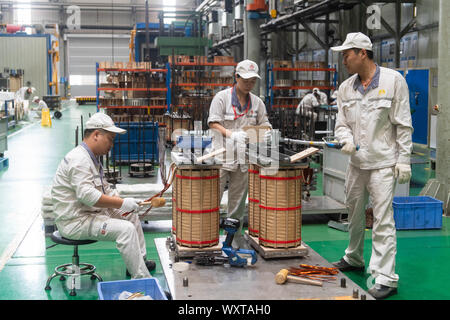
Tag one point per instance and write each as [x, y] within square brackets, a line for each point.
[273, 253]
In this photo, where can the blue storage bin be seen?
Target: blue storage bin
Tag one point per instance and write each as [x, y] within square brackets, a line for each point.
[110, 290]
[419, 212]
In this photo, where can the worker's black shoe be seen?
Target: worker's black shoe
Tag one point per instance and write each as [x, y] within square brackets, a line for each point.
[150, 264]
[343, 265]
[379, 291]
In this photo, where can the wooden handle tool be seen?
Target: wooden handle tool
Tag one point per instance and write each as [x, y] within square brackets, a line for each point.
[211, 155]
[283, 276]
[155, 203]
[305, 153]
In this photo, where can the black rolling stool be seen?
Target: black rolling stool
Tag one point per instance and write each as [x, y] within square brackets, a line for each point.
[75, 268]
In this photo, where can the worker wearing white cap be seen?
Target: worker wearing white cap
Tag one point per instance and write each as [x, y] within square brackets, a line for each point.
[373, 113]
[24, 93]
[85, 205]
[230, 111]
[41, 105]
[305, 108]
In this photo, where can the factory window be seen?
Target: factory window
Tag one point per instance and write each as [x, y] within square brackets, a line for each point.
[169, 11]
[23, 14]
[82, 80]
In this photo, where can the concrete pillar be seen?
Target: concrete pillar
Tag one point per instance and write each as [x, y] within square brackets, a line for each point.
[439, 188]
[252, 43]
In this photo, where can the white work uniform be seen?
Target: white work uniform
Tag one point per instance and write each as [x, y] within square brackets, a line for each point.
[77, 186]
[22, 94]
[41, 105]
[234, 168]
[309, 101]
[377, 119]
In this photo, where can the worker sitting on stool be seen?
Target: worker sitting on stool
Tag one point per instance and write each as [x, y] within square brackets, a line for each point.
[87, 208]
[231, 110]
[374, 113]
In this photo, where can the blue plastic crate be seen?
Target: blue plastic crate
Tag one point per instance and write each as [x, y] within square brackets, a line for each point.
[110, 290]
[419, 212]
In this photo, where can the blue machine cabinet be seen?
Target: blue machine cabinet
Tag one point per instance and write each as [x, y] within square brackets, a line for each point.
[422, 92]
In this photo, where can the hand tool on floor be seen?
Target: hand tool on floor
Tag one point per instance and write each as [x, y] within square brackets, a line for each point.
[283, 276]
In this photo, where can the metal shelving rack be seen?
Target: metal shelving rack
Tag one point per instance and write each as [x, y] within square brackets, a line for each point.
[141, 163]
[167, 89]
[199, 87]
[271, 80]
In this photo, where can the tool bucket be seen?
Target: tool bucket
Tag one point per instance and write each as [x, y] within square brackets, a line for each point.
[280, 208]
[253, 200]
[196, 201]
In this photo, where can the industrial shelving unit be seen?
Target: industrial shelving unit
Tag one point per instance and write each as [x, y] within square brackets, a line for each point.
[194, 84]
[281, 103]
[146, 89]
[133, 108]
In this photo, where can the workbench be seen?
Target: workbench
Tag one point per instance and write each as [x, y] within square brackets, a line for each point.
[257, 282]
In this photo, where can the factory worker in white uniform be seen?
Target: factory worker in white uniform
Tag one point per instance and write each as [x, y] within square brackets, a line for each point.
[374, 113]
[230, 111]
[41, 105]
[311, 100]
[85, 205]
[25, 93]
[305, 108]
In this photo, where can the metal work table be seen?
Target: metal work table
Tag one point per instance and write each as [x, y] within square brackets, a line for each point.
[322, 205]
[250, 283]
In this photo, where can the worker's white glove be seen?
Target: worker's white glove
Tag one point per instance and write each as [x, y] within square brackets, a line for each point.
[129, 205]
[402, 172]
[240, 137]
[349, 148]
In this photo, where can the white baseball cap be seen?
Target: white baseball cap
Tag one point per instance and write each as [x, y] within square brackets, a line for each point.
[103, 121]
[355, 40]
[247, 69]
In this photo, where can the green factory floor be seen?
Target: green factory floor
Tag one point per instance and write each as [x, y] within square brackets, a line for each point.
[34, 153]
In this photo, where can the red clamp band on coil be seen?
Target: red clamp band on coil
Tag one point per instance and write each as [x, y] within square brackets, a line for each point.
[253, 200]
[198, 211]
[281, 178]
[273, 241]
[197, 242]
[197, 178]
[280, 209]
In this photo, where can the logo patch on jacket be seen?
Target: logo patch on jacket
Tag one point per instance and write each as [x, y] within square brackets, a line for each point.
[103, 230]
[382, 92]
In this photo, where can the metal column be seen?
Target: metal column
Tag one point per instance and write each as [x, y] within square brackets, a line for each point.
[252, 41]
[439, 188]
